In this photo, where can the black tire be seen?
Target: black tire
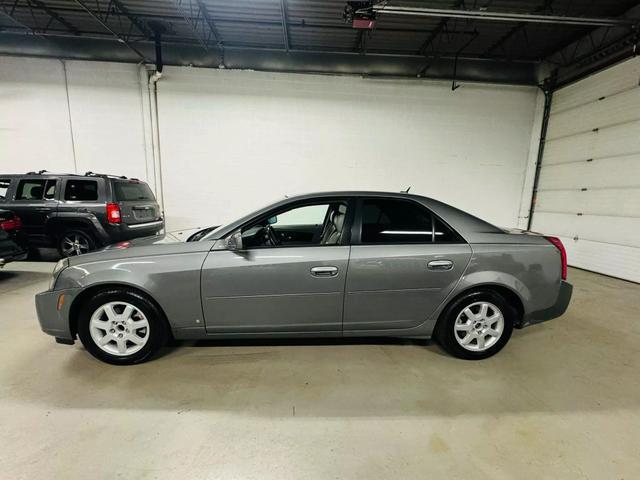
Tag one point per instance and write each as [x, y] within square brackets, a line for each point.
[445, 331]
[158, 329]
[83, 237]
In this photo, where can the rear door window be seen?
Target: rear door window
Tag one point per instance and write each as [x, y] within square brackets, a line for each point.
[395, 221]
[36, 189]
[81, 190]
[132, 191]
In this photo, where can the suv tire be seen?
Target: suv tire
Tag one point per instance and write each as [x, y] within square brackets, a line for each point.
[75, 242]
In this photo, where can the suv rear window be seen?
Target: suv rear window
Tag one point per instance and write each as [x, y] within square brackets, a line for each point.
[128, 191]
[81, 190]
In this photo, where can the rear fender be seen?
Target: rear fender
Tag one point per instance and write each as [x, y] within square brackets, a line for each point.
[58, 222]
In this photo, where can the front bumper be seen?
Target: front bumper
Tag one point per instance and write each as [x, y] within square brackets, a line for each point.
[54, 321]
[554, 311]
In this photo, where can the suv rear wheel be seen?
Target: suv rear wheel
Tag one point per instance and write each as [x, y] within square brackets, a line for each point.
[75, 242]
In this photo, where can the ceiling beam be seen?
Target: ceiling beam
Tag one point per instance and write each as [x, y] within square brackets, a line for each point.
[54, 15]
[517, 28]
[195, 14]
[502, 16]
[104, 25]
[31, 5]
[438, 30]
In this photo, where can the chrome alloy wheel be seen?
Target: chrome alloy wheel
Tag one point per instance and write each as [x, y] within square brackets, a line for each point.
[74, 244]
[479, 326]
[119, 328]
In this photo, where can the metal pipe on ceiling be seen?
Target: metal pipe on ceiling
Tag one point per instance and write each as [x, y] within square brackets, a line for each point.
[501, 16]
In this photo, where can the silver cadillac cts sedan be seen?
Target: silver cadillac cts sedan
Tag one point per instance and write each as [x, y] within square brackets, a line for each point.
[339, 264]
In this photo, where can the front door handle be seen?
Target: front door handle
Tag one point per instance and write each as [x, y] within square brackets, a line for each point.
[324, 271]
[440, 265]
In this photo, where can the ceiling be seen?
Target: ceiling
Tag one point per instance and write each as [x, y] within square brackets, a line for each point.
[312, 36]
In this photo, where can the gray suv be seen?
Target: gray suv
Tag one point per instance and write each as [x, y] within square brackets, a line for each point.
[79, 213]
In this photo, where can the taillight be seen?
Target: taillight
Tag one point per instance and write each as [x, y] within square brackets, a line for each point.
[12, 224]
[563, 254]
[113, 213]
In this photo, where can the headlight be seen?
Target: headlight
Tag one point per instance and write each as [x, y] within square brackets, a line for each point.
[60, 266]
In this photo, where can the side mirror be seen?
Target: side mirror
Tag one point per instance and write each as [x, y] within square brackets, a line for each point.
[234, 241]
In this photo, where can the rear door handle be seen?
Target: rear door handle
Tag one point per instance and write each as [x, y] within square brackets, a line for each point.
[441, 265]
[324, 271]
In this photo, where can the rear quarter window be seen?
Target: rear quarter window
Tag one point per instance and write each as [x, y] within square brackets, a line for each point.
[131, 191]
[81, 190]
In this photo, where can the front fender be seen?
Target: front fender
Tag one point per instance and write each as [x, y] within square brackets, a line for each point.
[173, 281]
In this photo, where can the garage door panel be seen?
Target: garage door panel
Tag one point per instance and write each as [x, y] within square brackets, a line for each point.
[602, 202]
[615, 260]
[615, 230]
[607, 82]
[608, 172]
[607, 142]
[616, 109]
[588, 191]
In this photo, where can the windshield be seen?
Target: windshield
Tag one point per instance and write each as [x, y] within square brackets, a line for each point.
[212, 235]
[129, 191]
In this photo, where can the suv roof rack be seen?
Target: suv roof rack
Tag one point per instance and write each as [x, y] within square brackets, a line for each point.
[106, 175]
[47, 172]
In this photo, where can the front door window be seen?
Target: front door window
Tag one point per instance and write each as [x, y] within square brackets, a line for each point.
[306, 225]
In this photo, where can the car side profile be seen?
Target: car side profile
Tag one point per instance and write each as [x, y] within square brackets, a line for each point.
[320, 265]
[79, 213]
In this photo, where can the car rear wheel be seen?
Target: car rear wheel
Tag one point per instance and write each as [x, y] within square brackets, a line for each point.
[121, 327]
[476, 325]
[75, 242]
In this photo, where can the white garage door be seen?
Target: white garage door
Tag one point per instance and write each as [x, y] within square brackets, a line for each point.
[589, 187]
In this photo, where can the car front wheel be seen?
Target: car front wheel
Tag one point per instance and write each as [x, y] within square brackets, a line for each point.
[121, 327]
[476, 326]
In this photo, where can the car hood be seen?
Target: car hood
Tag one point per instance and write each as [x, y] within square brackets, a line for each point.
[165, 244]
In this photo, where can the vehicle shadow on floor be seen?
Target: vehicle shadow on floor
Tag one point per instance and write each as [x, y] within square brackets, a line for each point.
[352, 377]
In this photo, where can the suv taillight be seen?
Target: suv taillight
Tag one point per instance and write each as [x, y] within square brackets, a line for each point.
[113, 213]
[563, 254]
[12, 224]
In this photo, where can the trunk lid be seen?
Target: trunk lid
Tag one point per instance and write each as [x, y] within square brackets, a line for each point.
[137, 202]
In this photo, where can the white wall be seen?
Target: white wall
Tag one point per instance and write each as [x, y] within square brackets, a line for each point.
[589, 188]
[92, 121]
[233, 140]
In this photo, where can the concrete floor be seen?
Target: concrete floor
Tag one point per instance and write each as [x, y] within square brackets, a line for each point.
[561, 401]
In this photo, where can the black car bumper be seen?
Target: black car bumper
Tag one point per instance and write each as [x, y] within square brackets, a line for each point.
[554, 311]
[12, 257]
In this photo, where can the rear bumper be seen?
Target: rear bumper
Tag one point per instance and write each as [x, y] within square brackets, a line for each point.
[556, 310]
[53, 321]
[121, 232]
